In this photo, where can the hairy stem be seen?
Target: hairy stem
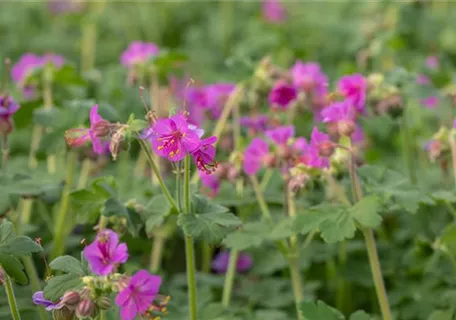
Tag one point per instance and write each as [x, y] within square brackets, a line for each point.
[11, 298]
[206, 257]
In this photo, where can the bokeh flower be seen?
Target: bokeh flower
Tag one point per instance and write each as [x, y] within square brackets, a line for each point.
[353, 88]
[432, 62]
[273, 11]
[255, 156]
[430, 102]
[220, 263]
[256, 123]
[282, 95]
[281, 135]
[39, 299]
[105, 253]
[139, 294]
[204, 156]
[138, 53]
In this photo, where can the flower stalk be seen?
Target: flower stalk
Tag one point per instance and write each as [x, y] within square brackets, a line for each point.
[11, 298]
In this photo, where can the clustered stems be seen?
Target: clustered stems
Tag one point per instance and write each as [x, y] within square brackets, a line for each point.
[189, 246]
[48, 103]
[157, 252]
[155, 170]
[85, 173]
[61, 229]
[11, 298]
[371, 247]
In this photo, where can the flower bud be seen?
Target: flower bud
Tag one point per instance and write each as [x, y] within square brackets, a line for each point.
[104, 303]
[85, 308]
[5, 126]
[71, 298]
[297, 182]
[326, 148]
[62, 314]
[346, 127]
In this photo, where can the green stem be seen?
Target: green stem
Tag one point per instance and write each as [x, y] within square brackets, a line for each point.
[453, 154]
[11, 298]
[102, 315]
[157, 251]
[266, 178]
[4, 151]
[61, 227]
[85, 173]
[207, 257]
[371, 249]
[48, 103]
[89, 35]
[229, 278]
[296, 282]
[30, 269]
[37, 132]
[189, 246]
[155, 170]
[408, 149]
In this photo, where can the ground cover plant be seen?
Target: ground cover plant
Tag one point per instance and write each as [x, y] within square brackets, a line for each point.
[220, 160]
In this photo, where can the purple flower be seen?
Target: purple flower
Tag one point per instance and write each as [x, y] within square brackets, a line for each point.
[358, 136]
[105, 253]
[205, 155]
[26, 64]
[257, 123]
[430, 102]
[53, 59]
[174, 138]
[309, 77]
[138, 296]
[353, 88]
[138, 53]
[311, 154]
[432, 62]
[61, 6]
[273, 11]
[8, 106]
[281, 135]
[210, 181]
[422, 80]
[282, 95]
[338, 111]
[220, 263]
[256, 154]
[39, 299]
[454, 124]
[217, 95]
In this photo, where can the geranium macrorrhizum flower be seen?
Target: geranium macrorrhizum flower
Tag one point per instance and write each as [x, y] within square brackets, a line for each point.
[98, 133]
[353, 88]
[339, 111]
[273, 11]
[204, 156]
[281, 135]
[256, 123]
[29, 62]
[309, 77]
[282, 95]
[220, 263]
[256, 154]
[138, 296]
[39, 299]
[430, 102]
[105, 253]
[138, 52]
[174, 138]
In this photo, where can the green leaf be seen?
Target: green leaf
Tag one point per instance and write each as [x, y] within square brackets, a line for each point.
[319, 311]
[360, 315]
[6, 231]
[155, 212]
[138, 125]
[210, 227]
[69, 264]
[202, 205]
[444, 195]
[253, 234]
[20, 245]
[366, 211]
[13, 268]
[58, 285]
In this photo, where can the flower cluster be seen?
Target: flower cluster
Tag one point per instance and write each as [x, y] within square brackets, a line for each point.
[136, 295]
[27, 64]
[174, 138]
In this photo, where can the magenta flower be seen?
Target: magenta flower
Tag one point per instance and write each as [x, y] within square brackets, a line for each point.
[273, 11]
[138, 53]
[454, 124]
[105, 253]
[308, 76]
[256, 154]
[204, 156]
[210, 181]
[98, 133]
[139, 295]
[430, 102]
[432, 62]
[282, 95]
[174, 138]
[358, 136]
[311, 154]
[353, 88]
[281, 135]
[338, 111]
[257, 123]
[39, 299]
[197, 97]
[8, 107]
[422, 80]
[220, 263]
[217, 95]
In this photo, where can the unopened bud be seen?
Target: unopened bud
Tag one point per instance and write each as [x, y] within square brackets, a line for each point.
[297, 182]
[62, 314]
[326, 148]
[346, 128]
[85, 308]
[104, 303]
[71, 298]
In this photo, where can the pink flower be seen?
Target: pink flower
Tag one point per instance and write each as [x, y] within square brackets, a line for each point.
[422, 80]
[8, 107]
[220, 263]
[358, 136]
[256, 154]
[204, 156]
[210, 181]
[98, 133]
[174, 138]
[353, 88]
[26, 64]
[139, 295]
[105, 253]
[308, 76]
[338, 111]
[257, 123]
[281, 135]
[217, 95]
[311, 154]
[273, 11]
[282, 95]
[432, 62]
[138, 53]
[430, 102]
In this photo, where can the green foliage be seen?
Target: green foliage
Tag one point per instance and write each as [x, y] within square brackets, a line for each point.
[69, 264]
[319, 310]
[58, 285]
